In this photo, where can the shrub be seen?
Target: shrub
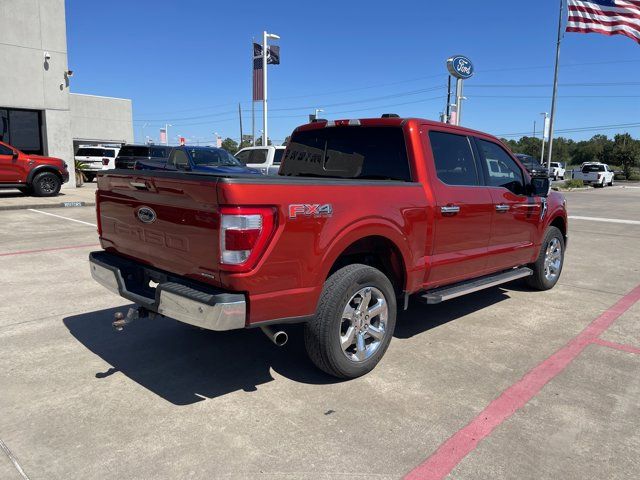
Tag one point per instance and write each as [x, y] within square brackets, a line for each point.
[573, 184]
[634, 177]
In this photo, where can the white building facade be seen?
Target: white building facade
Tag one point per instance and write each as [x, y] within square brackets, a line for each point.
[38, 113]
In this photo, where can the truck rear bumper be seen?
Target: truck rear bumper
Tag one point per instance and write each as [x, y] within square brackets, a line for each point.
[175, 297]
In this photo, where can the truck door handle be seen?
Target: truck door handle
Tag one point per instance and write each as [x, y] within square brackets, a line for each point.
[450, 210]
[141, 185]
[501, 208]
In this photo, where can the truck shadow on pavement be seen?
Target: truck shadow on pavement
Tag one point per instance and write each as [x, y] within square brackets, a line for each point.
[185, 365]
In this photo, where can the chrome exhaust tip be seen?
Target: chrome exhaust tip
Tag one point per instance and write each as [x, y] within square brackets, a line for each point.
[278, 337]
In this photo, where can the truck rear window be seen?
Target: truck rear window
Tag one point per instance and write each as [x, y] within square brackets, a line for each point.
[592, 168]
[348, 152]
[133, 151]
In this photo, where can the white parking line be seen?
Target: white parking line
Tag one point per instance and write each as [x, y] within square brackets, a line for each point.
[13, 459]
[608, 220]
[60, 216]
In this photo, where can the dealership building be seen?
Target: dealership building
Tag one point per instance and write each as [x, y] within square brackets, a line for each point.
[38, 112]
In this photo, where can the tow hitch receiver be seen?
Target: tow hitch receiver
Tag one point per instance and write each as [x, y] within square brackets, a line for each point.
[119, 320]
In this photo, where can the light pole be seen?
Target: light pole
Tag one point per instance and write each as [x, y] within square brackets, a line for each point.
[544, 134]
[318, 110]
[166, 132]
[217, 135]
[143, 127]
[265, 37]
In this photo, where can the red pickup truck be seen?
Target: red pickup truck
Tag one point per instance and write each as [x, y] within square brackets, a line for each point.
[363, 214]
[31, 174]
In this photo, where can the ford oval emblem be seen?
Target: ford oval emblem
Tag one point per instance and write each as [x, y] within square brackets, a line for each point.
[146, 215]
[460, 67]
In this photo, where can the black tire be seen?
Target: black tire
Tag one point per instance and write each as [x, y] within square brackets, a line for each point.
[89, 176]
[322, 335]
[611, 183]
[46, 184]
[539, 280]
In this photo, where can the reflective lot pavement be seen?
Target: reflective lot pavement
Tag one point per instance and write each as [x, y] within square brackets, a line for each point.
[469, 388]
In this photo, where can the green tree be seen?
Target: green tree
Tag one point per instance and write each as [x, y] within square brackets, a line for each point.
[625, 152]
[230, 145]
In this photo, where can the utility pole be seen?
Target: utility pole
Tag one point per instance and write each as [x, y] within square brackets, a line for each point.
[447, 113]
[240, 117]
[555, 86]
[534, 129]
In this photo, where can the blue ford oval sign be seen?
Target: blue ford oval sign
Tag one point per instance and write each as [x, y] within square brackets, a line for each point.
[460, 67]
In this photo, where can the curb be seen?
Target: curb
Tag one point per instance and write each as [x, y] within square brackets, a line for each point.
[48, 205]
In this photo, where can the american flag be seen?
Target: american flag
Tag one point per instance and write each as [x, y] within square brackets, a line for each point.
[258, 79]
[609, 17]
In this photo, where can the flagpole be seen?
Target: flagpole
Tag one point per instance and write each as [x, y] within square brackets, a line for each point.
[264, 88]
[555, 87]
[253, 102]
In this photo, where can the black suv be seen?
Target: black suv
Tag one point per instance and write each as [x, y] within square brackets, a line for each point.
[129, 154]
[535, 168]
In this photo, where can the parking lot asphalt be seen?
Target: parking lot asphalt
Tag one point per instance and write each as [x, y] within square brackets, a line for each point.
[503, 383]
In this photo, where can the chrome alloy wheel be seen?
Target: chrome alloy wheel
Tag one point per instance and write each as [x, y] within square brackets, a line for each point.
[553, 259]
[364, 324]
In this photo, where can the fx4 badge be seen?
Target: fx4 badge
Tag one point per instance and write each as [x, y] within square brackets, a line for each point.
[310, 210]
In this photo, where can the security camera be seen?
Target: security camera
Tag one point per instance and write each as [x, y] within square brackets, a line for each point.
[47, 56]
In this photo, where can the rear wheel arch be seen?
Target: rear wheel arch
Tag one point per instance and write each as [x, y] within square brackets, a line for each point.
[561, 224]
[377, 251]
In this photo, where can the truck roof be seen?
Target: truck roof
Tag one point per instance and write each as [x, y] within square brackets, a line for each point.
[389, 122]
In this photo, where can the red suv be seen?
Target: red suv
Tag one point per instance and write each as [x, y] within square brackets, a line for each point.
[31, 174]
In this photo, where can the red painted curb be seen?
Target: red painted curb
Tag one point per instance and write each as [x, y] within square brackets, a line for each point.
[25, 252]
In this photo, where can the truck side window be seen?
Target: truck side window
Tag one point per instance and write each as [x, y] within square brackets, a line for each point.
[178, 159]
[502, 170]
[277, 156]
[258, 156]
[243, 156]
[5, 150]
[453, 158]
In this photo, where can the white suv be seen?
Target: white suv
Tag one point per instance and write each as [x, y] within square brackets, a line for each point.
[95, 159]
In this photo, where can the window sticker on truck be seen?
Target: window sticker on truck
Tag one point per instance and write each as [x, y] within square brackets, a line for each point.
[310, 210]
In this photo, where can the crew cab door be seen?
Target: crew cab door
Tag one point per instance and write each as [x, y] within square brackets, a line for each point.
[464, 209]
[9, 169]
[516, 216]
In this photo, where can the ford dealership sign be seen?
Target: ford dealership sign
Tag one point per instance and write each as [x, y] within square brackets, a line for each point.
[460, 67]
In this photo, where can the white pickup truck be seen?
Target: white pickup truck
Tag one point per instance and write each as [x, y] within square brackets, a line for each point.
[265, 159]
[557, 171]
[594, 173]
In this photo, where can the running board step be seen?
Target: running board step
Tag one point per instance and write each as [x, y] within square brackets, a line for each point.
[457, 290]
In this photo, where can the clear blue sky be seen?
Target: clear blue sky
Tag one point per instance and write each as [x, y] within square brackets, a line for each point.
[188, 63]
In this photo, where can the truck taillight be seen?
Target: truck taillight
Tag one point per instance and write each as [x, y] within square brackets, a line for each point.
[105, 161]
[244, 235]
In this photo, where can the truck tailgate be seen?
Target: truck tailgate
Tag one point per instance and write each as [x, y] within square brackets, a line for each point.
[170, 223]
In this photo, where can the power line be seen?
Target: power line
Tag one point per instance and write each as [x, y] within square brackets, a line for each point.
[578, 129]
[305, 107]
[336, 92]
[545, 85]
